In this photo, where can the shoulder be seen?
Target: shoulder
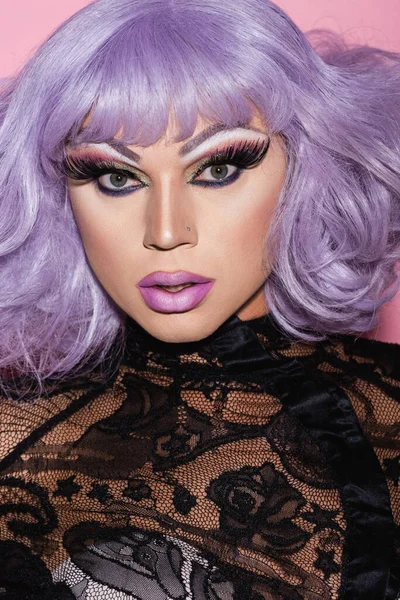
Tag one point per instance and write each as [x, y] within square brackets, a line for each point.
[369, 372]
[381, 358]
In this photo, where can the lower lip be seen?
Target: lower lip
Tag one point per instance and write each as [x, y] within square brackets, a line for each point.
[175, 302]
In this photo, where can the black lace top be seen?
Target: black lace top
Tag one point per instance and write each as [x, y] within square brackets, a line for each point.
[243, 467]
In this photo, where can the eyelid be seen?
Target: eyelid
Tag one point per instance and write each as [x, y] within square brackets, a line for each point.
[225, 145]
[243, 153]
[234, 154]
[125, 171]
[100, 165]
[116, 170]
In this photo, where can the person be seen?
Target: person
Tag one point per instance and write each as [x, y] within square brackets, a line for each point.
[200, 217]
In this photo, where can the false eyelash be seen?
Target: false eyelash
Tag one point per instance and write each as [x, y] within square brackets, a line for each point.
[245, 155]
[82, 168]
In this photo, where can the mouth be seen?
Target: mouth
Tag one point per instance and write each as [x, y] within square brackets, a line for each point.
[174, 292]
[172, 289]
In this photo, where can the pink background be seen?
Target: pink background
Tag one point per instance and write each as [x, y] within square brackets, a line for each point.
[25, 23]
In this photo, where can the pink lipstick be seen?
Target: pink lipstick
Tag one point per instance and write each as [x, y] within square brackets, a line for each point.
[174, 292]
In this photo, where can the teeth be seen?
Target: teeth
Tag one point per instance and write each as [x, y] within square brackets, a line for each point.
[175, 288]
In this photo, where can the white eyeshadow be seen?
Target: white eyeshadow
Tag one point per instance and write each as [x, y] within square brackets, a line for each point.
[222, 136]
[112, 152]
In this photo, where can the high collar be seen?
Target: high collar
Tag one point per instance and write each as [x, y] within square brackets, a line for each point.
[234, 336]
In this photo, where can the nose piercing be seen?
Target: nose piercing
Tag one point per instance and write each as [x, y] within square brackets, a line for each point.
[188, 228]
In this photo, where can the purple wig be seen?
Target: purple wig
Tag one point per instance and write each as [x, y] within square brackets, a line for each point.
[334, 241]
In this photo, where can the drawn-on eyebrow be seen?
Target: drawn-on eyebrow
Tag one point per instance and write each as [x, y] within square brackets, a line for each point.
[198, 139]
[122, 149]
[116, 145]
[210, 132]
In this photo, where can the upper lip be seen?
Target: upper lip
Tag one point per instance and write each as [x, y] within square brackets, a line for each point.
[170, 279]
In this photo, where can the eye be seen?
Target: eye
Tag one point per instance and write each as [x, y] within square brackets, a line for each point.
[117, 182]
[217, 173]
[226, 165]
[110, 178]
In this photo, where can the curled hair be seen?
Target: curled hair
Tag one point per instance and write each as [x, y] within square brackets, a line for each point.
[130, 64]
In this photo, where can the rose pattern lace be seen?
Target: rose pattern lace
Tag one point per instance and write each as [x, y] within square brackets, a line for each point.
[246, 466]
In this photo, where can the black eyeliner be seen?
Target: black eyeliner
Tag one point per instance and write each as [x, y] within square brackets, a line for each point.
[82, 168]
[245, 155]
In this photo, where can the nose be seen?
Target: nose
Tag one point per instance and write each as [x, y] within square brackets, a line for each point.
[170, 219]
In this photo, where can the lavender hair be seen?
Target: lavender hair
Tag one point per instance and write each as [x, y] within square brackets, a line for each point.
[334, 242]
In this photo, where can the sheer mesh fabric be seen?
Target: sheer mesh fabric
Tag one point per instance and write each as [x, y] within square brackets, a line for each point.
[182, 479]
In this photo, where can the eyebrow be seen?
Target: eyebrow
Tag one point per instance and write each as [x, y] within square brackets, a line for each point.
[122, 149]
[204, 135]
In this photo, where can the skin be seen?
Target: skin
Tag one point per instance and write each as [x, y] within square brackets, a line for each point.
[129, 237]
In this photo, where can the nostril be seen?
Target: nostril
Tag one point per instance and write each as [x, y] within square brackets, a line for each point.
[169, 238]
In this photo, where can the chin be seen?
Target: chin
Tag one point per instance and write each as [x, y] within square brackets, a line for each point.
[178, 328]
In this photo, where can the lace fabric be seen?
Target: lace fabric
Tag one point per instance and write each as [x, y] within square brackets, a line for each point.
[244, 466]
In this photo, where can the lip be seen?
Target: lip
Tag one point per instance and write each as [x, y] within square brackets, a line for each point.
[174, 302]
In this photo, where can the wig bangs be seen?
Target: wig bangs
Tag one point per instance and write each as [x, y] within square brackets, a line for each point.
[127, 70]
[170, 68]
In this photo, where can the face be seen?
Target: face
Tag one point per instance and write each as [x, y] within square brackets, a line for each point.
[175, 232]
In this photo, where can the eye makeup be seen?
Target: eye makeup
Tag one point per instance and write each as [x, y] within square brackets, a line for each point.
[242, 154]
[86, 165]
[91, 166]
[217, 135]
[113, 148]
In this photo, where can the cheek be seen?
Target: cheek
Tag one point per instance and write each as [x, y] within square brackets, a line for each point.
[261, 205]
[246, 232]
[103, 237]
